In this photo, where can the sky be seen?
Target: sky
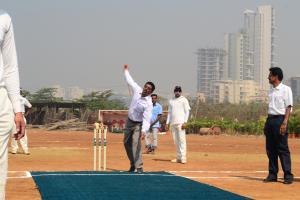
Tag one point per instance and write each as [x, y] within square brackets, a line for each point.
[86, 43]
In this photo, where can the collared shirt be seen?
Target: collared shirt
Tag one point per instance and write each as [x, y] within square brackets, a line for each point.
[9, 72]
[24, 102]
[179, 109]
[280, 98]
[140, 108]
[157, 110]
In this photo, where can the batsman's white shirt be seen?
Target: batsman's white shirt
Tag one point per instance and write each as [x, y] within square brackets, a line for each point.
[9, 72]
[24, 102]
[179, 109]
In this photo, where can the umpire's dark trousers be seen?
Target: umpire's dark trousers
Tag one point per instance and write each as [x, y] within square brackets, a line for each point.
[277, 145]
[132, 143]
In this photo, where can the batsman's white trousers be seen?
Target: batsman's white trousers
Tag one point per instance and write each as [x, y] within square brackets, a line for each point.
[23, 142]
[6, 125]
[180, 141]
[151, 141]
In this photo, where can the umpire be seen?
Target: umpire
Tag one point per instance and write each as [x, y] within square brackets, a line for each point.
[276, 127]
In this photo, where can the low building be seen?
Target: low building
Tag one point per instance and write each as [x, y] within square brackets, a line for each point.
[235, 92]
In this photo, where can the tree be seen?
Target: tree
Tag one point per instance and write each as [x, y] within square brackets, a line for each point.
[45, 95]
[25, 93]
[101, 100]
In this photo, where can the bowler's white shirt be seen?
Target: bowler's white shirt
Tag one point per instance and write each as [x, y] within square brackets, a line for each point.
[24, 102]
[179, 109]
[140, 109]
[280, 98]
[9, 73]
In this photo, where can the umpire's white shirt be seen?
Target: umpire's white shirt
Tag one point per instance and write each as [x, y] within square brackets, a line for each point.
[140, 108]
[9, 73]
[280, 98]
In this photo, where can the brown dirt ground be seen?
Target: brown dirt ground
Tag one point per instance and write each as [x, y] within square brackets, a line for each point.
[234, 163]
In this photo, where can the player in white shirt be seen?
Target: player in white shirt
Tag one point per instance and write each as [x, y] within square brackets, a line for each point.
[276, 127]
[178, 115]
[24, 140]
[10, 107]
[138, 122]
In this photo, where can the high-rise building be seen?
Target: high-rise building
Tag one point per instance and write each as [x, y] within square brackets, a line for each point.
[250, 51]
[248, 55]
[237, 57]
[264, 51]
[249, 44]
[240, 46]
[295, 86]
[210, 67]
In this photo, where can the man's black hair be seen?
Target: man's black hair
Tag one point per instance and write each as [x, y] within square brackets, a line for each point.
[276, 71]
[177, 89]
[153, 95]
[152, 85]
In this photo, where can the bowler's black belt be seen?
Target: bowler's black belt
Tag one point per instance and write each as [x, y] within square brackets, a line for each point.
[136, 122]
[275, 116]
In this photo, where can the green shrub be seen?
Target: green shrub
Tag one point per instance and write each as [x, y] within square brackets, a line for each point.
[228, 126]
[294, 122]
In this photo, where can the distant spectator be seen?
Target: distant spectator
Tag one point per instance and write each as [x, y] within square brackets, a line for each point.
[24, 140]
[151, 138]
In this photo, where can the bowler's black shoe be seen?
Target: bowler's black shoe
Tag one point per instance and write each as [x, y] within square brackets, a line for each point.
[270, 179]
[139, 170]
[288, 181]
[131, 169]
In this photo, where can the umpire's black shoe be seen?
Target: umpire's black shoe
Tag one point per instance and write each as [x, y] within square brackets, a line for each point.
[270, 179]
[288, 181]
[131, 169]
[139, 170]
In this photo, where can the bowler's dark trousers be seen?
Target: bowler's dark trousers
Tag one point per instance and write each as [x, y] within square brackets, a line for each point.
[277, 145]
[132, 143]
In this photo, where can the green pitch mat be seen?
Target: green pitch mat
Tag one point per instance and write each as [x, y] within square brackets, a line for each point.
[122, 185]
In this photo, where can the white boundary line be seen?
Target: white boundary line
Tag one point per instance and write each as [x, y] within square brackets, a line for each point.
[17, 171]
[192, 171]
[226, 177]
[217, 177]
[18, 177]
[27, 175]
[224, 172]
[63, 148]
